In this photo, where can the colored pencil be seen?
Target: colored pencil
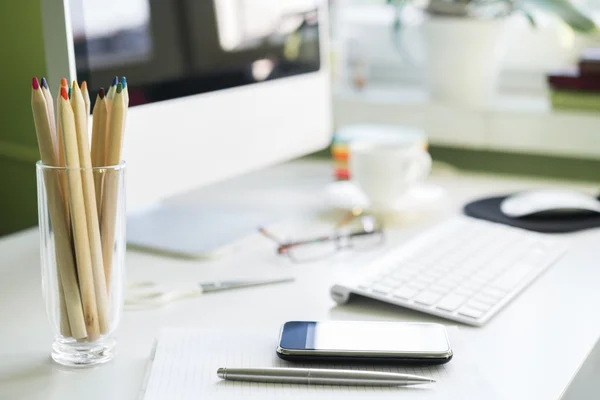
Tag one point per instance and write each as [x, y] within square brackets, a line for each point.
[125, 90]
[78, 217]
[111, 92]
[99, 144]
[61, 154]
[91, 210]
[86, 98]
[68, 284]
[110, 196]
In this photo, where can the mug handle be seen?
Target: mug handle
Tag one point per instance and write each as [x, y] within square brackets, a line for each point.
[421, 167]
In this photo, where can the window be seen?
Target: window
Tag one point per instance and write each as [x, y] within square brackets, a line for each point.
[363, 32]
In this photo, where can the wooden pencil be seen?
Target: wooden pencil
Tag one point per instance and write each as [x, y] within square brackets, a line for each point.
[65, 325]
[99, 127]
[64, 256]
[65, 328]
[91, 210]
[78, 217]
[125, 91]
[86, 98]
[110, 191]
[111, 92]
[60, 150]
[61, 162]
[50, 107]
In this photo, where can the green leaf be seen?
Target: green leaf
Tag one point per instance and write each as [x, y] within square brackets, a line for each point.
[569, 13]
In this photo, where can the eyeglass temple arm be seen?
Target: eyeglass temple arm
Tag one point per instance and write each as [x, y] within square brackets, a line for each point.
[269, 235]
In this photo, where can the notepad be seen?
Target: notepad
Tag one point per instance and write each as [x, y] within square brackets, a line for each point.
[185, 363]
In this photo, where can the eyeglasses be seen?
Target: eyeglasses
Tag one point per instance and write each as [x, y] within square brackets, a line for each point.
[367, 235]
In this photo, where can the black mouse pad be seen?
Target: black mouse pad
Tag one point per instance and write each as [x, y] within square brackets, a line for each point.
[489, 209]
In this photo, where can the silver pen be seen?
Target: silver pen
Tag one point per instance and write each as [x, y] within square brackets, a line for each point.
[311, 376]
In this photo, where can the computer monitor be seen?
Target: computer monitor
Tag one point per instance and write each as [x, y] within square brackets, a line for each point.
[216, 87]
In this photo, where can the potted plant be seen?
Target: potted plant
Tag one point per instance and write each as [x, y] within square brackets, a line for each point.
[465, 41]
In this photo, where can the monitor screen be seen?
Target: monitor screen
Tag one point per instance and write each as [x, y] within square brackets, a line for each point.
[174, 48]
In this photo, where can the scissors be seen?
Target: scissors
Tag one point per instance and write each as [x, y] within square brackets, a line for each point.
[148, 294]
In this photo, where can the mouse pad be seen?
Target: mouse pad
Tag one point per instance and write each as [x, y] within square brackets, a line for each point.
[489, 209]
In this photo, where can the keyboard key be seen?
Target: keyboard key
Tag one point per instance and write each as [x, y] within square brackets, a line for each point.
[478, 280]
[428, 298]
[483, 298]
[485, 274]
[435, 274]
[511, 278]
[404, 275]
[453, 280]
[405, 292]
[418, 283]
[441, 289]
[426, 278]
[478, 305]
[494, 293]
[451, 302]
[470, 284]
[465, 291]
[381, 289]
[471, 312]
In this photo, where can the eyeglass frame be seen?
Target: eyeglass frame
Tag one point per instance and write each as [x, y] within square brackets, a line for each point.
[284, 247]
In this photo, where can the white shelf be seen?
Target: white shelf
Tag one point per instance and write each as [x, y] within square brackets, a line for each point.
[515, 123]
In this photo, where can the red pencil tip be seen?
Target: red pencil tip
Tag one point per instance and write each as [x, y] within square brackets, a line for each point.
[35, 83]
[63, 82]
[84, 85]
[101, 93]
[63, 93]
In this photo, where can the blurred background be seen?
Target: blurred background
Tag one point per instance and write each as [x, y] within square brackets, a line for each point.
[497, 85]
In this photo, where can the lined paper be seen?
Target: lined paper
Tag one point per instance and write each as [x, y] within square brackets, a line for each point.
[186, 361]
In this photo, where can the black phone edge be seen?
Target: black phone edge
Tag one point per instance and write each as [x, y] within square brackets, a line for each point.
[358, 360]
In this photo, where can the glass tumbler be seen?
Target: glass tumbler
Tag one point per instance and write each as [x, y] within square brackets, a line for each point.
[82, 248]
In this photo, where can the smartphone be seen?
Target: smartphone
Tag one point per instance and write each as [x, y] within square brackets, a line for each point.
[364, 341]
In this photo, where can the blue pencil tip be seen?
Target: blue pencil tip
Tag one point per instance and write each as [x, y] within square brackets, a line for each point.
[124, 82]
[44, 83]
[115, 81]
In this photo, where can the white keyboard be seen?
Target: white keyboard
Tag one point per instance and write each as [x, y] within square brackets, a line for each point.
[464, 269]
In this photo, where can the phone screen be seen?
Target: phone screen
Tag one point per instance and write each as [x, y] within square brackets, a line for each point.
[365, 336]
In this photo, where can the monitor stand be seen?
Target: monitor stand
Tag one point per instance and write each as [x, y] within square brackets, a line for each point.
[192, 231]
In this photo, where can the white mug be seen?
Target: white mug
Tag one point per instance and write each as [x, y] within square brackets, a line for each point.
[385, 168]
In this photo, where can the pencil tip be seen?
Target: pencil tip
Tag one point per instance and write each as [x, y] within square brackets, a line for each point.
[63, 93]
[124, 82]
[44, 83]
[75, 85]
[34, 83]
[115, 81]
[84, 85]
[69, 93]
[119, 88]
[63, 82]
[101, 92]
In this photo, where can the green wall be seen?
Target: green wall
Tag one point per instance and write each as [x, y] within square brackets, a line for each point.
[22, 50]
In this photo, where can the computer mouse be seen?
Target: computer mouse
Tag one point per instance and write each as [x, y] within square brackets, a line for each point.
[549, 202]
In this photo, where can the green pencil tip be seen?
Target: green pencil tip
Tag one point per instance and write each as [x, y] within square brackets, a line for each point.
[119, 88]
[69, 93]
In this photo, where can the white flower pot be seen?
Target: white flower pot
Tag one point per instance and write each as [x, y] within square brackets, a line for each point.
[464, 58]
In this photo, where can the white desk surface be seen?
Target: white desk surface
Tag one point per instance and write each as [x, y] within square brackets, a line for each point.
[531, 350]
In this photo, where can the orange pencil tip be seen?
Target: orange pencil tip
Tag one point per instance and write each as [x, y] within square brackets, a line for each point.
[63, 82]
[84, 85]
[63, 93]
